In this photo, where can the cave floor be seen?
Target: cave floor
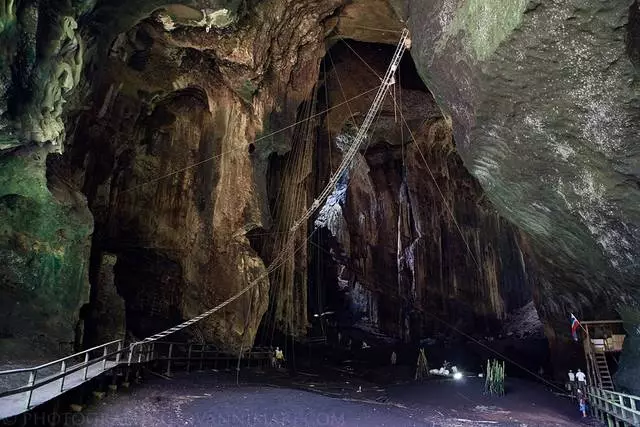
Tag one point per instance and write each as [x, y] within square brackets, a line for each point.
[276, 399]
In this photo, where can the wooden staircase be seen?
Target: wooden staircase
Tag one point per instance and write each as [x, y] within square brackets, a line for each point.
[602, 371]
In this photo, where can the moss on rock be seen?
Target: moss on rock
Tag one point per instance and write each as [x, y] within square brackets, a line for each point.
[44, 246]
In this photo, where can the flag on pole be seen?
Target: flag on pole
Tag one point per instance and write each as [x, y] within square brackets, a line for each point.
[574, 327]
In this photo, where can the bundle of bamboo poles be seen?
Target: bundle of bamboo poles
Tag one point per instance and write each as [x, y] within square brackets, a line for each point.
[288, 296]
[422, 367]
[494, 382]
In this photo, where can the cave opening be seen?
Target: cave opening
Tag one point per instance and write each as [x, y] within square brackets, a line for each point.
[155, 159]
[389, 267]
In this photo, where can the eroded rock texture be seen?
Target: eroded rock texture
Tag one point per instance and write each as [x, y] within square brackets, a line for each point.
[193, 102]
[44, 248]
[544, 103]
[167, 116]
[414, 241]
[46, 225]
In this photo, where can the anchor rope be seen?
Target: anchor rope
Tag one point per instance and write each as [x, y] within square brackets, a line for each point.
[346, 163]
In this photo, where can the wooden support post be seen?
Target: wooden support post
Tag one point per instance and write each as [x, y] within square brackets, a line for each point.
[202, 356]
[215, 360]
[189, 358]
[151, 351]
[128, 372]
[32, 381]
[63, 370]
[168, 373]
[104, 358]
[86, 366]
[130, 358]
[636, 418]
[119, 351]
[621, 400]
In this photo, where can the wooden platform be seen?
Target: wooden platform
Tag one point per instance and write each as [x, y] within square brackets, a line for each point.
[15, 404]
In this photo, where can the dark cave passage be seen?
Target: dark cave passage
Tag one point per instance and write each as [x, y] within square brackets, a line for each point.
[158, 163]
[387, 264]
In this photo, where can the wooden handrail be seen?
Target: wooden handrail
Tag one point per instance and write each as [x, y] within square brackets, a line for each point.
[55, 377]
[600, 322]
[605, 401]
[146, 352]
[55, 362]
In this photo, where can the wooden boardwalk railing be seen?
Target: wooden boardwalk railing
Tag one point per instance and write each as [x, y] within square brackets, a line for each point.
[41, 383]
[613, 408]
[30, 387]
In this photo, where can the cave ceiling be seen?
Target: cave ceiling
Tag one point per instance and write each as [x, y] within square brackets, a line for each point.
[542, 97]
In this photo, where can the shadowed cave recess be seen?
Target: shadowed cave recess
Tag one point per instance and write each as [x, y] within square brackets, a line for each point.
[150, 170]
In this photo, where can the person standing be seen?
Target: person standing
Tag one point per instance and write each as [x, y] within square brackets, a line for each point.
[394, 358]
[572, 381]
[583, 407]
[279, 357]
[582, 381]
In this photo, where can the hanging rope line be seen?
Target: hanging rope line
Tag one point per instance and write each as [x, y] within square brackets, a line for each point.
[287, 251]
[347, 159]
[326, 100]
[392, 290]
[385, 30]
[288, 283]
[450, 211]
[444, 200]
[351, 115]
[274, 265]
[262, 138]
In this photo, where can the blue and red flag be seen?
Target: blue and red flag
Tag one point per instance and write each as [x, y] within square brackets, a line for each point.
[574, 327]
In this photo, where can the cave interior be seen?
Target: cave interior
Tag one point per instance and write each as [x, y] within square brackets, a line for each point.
[153, 162]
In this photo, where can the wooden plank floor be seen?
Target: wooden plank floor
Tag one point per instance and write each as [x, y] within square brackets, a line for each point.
[15, 404]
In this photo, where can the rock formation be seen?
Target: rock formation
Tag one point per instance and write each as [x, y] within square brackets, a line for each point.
[143, 147]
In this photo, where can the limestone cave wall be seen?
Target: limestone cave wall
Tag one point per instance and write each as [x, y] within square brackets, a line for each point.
[416, 248]
[138, 144]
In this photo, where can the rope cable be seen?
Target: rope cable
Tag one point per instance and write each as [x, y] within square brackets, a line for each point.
[208, 159]
[404, 122]
[383, 286]
[444, 201]
[335, 70]
[285, 254]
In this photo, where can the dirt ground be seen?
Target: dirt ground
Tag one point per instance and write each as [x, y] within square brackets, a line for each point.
[260, 398]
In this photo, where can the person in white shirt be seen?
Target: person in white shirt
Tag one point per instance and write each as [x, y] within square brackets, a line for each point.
[279, 357]
[582, 380]
[572, 381]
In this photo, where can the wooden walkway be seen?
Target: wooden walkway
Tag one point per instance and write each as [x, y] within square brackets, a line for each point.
[58, 377]
[613, 408]
[51, 387]
[62, 375]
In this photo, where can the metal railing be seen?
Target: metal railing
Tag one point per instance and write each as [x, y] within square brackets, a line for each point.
[200, 356]
[63, 370]
[147, 349]
[613, 408]
[76, 369]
